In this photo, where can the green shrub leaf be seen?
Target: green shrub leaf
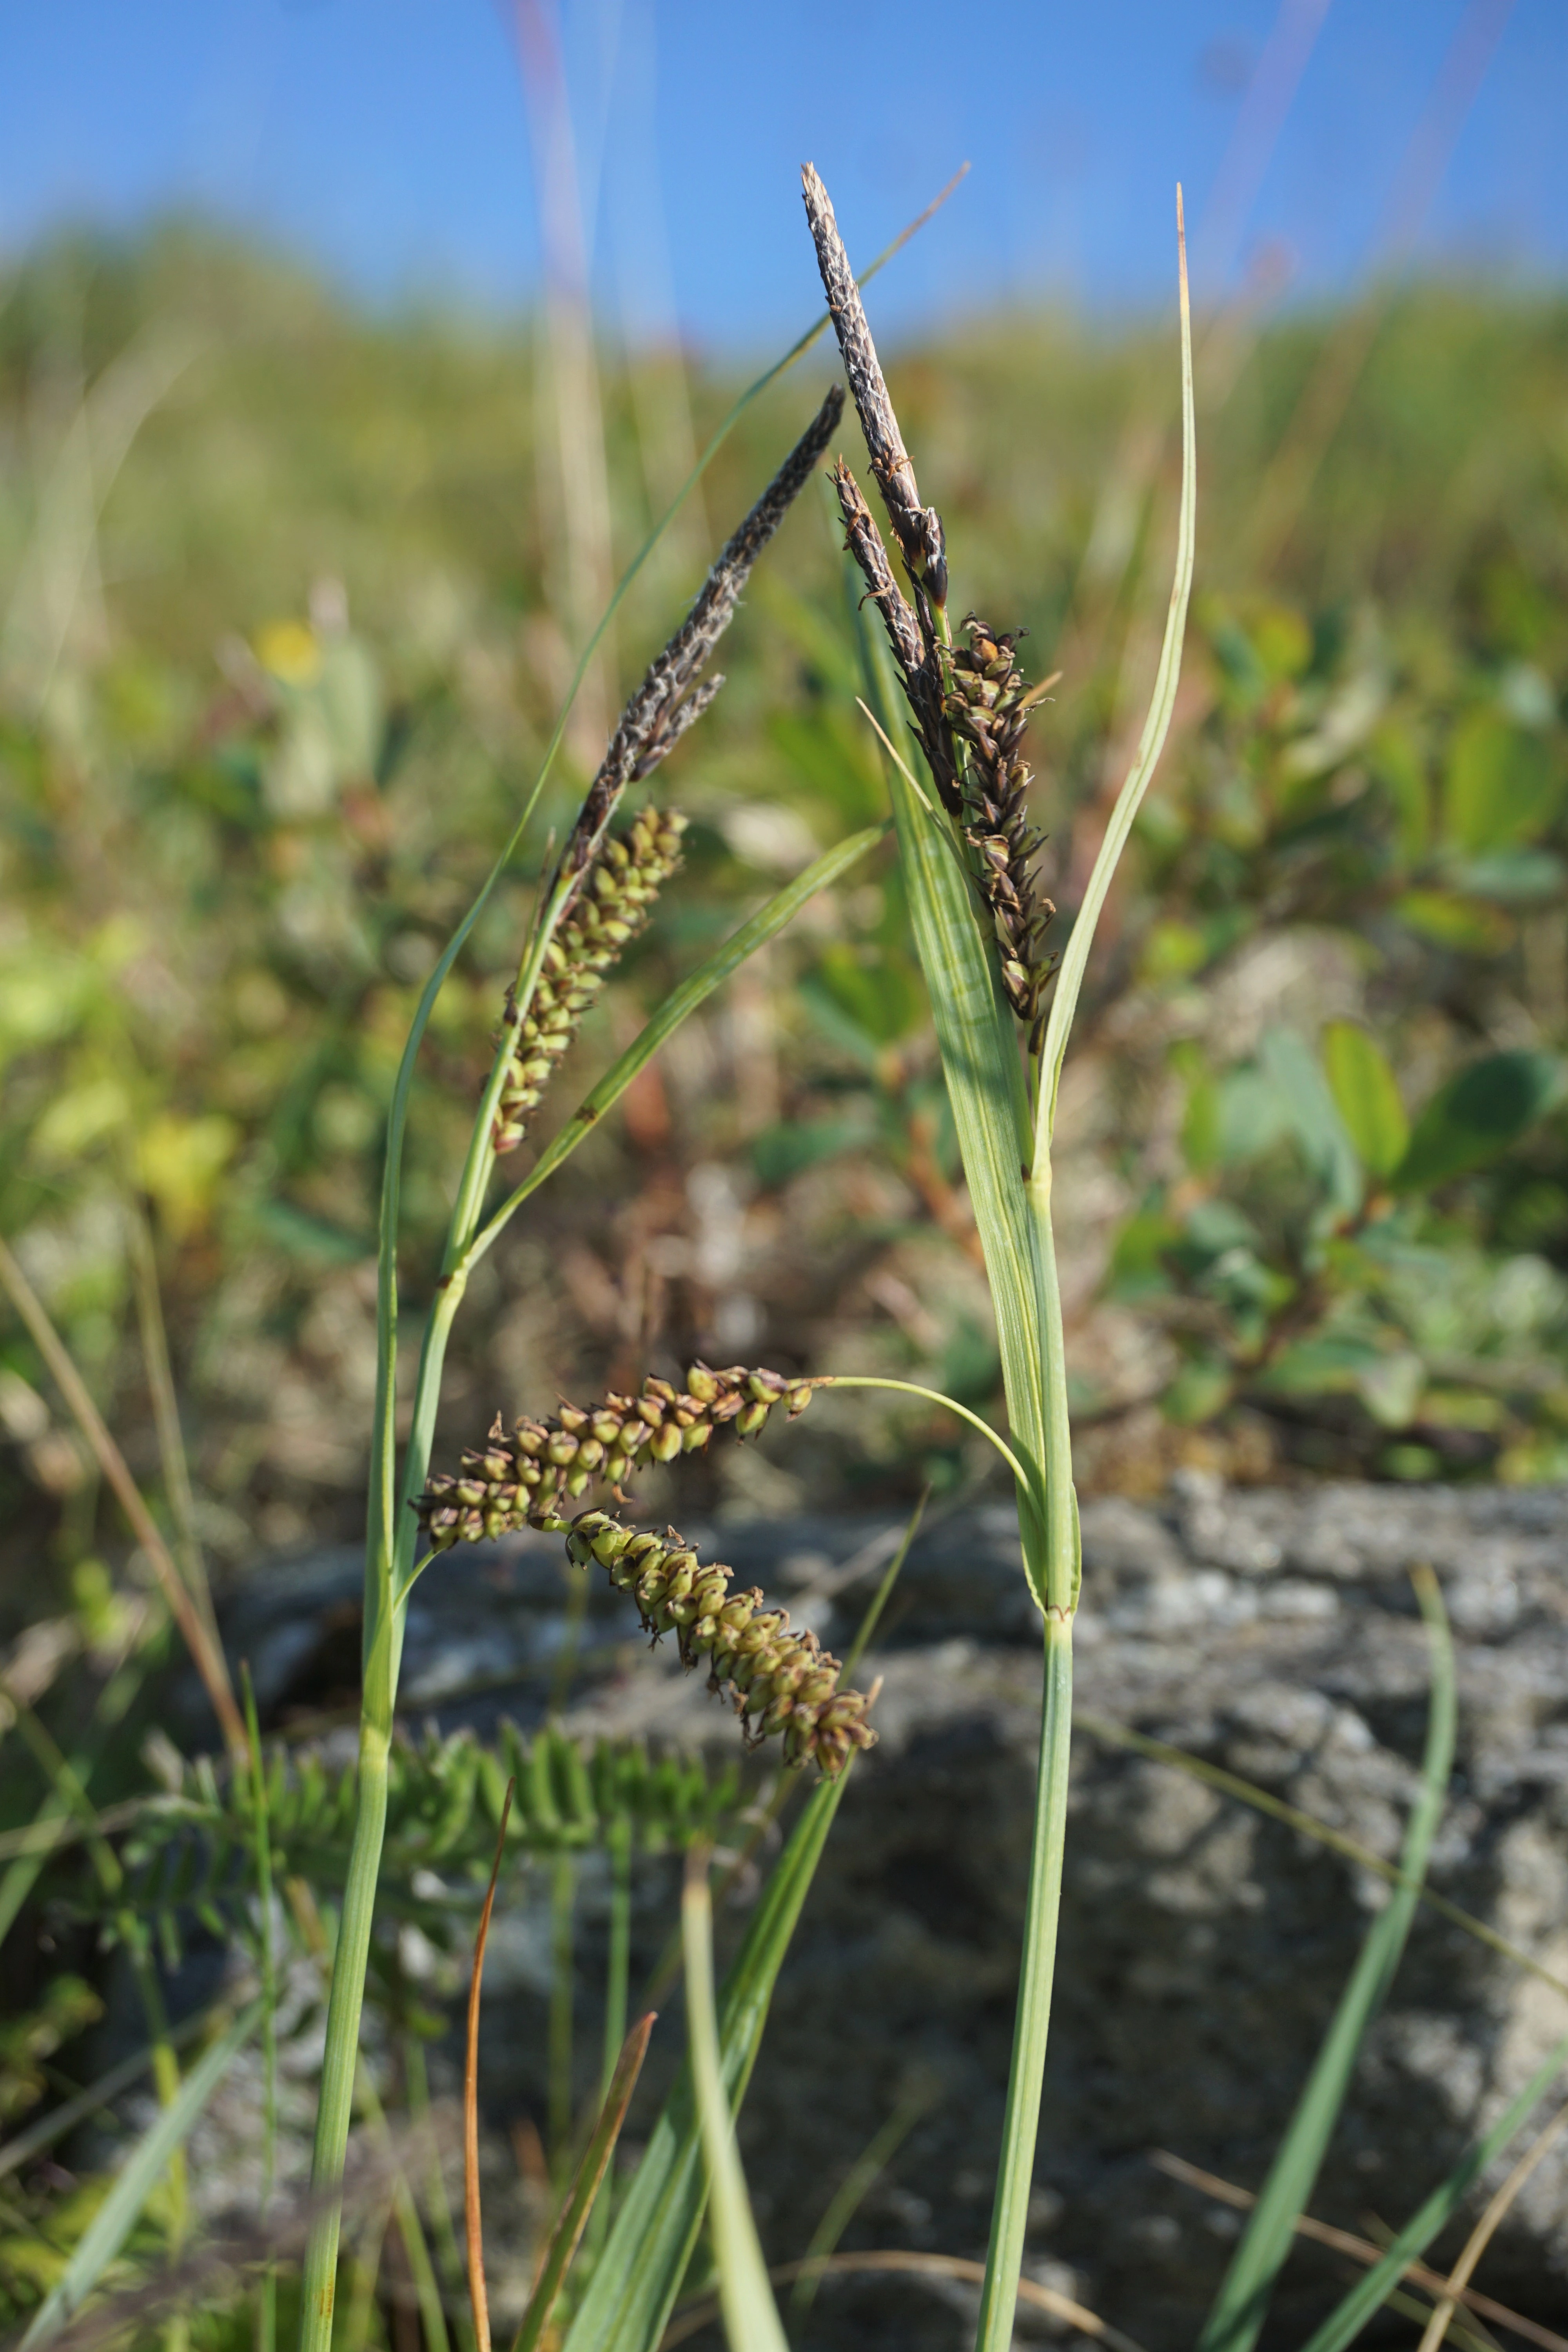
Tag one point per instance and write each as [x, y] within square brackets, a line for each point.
[1503, 785]
[1476, 1116]
[1367, 1095]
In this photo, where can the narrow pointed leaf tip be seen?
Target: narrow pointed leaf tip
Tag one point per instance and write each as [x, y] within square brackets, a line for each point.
[1156, 726]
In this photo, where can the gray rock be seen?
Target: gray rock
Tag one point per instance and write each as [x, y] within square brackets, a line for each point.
[1203, 1945]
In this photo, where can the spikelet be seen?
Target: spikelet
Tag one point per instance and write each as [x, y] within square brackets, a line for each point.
[612, 907]
[779, 1681]
[919, 528]
[601, 889]
[525, 1479]
[987, 705]
[970, 704]
[665, 704]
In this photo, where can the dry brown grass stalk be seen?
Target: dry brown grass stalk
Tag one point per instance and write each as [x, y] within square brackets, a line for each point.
[1360, 2250]
[1061, 2307]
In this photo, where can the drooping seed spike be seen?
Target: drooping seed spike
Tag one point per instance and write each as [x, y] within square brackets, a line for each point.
[519, 1482]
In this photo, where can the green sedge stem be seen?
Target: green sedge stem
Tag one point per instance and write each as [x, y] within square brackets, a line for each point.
[1015, 2171]
[932, 1396]
[677, 1007]
[1060, 1571]
[1058, 1574]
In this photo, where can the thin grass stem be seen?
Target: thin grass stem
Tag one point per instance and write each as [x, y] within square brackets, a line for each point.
[1360, 2250]
[851, 2195]
[206, 1654]
[267, 2301]
[563, 1907]
[171, 1454]
[473, 2221]
[751, 2319]
[448, 2254]
[895, 2261]
[1487, 2227]
[1246, 1792]
[617, 1981]
[932, 1396]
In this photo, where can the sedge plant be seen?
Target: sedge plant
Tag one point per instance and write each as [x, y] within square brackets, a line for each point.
[954, 701]
[1003, 1005]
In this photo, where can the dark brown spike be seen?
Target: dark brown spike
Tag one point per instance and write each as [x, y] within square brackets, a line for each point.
[649, 715]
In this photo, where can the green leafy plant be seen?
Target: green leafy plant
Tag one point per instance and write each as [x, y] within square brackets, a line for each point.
[1278, 1297]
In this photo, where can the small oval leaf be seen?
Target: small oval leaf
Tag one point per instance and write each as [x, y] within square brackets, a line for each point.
[1367, 1093]
[1503, 785]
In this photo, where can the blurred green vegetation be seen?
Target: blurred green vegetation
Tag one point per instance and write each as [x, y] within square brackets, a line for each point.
[280, 645]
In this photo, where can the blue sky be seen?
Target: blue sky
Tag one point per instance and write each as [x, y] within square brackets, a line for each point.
[388, 141]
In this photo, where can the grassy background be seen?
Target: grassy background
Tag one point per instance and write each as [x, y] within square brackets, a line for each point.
[287, 615]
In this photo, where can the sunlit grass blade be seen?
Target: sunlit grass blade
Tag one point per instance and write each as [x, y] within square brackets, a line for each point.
[1487, 2227]
[847, 2199]
[1239, 2309]
[1152, 743]
[585, 2188]
[1367, 2297]
[638, 2275]
[677, 1007]
[752, 2320]
[1360, 2250]
[133, 2184]
[473, 2221]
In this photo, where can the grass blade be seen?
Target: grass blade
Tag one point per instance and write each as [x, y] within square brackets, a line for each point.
[97, 2095]
[1246, 1792]
[847, 2199]
[473, 2222]
[751, 2319]
[1367, 2297]
[1238, 2309]
[567, 2233]
[633, 2286]
[267, 2305]
[133, 2184]
[984, 1077]
[1360, 2250]
[1152, 743]
[206, 1654]
[1486, 2229]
